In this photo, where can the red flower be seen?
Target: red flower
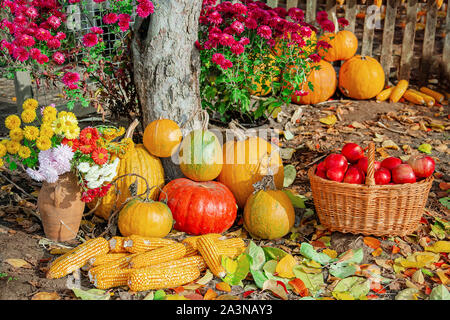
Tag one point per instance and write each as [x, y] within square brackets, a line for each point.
[145, 8]
[237, 49]
[86, 148]
[315, 57]
[34, 53]
[54, 43]
[215, 18]
[85, 197]
[54, 22]
[70, 78]
[343, 22]
[93, 192]
[58, 57]
[238, 27]
[89, 135]
[42, 58]
[74, 143]
[26, 41]
[226, 40]
[100, 156]
[20, 54]
[104, 190]
[110, 18]
[218, 58]
[265, 32]
[97, 30]
[43, 34]
[90, 40]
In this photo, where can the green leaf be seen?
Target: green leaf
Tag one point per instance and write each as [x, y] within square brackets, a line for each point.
[274, 253]
[259, 277]
[298, 200]
[256, 253]
[342, 270]
[308, 251]
[407, 294]
[289, 175]
[356, 286]
[159, 295]
[425, 148]
[440, 293]
[269, 271]
[313, 281]
[91, 294]
[242, 270]
[445, 201]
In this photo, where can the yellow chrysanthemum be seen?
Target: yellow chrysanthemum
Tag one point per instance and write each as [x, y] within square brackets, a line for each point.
[48, 118]
[30, 104]
[12, 122]
[69, 121]
[12, 147]
[58, 126]
[28, 115]
[16, 134]
[31, 132]
[72, 132]
[46, 131]
[24, 152]
[62, 114]
[4, 141]
[2, 150]
[50, 111]
[43, 143]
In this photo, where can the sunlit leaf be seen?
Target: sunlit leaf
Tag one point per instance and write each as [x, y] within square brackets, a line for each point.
[223, 286]
[290, 173]
[276, 287]
[257, 256]
[298, 200]
[329, 120]
[372, 242]
[440, 293]
[425, 148]
[308, 251]
[46, 296]
[439, 246]
[91, 294]
[408, 294]
[285, 266]
[299, 287]
[274, 253]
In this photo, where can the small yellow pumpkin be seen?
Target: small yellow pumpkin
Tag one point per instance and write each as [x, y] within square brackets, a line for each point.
[162, 137]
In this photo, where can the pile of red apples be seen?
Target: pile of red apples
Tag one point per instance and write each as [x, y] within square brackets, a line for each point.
[350, 166]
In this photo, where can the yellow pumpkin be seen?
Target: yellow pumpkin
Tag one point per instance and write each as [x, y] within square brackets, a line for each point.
[245, 162]
[162, 137]
[361, 77]
[138, 161]
[145, 218]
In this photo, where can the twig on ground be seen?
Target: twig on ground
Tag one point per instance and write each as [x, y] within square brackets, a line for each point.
[15, 185]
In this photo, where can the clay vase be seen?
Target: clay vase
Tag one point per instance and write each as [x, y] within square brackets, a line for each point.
[61, 208]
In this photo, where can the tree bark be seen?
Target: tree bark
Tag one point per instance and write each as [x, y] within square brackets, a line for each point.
[167, 67]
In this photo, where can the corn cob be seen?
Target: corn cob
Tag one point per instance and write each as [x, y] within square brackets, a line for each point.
[193, 240]
[439, 97]
[230, 252]
[230, 243]
[413, 97]
[138, 244]
[105, 258]
[429, 100]
[398, 91]
[77, 257]
[190, 251]
[110, 278]
[209, 251]
[196, 261]
[159, 278]
[116, 244]
[385, 94]
[172, 252]
[121, 263]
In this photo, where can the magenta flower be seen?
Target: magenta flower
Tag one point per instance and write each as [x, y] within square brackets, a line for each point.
[96, 30]
[296, 14]
[42, 58]
[54, 43]
[43, 34]
[58, 57]
[31, 12]
[321, 15]
[251, 23]
[343, 22]
[226, 40]
[90, 40]
[327, 25]
[315, 57]
[26, 41]
[218, 58]
[244, 41]
[70, 78]
[265, 32]
[226, 64]
[238, 27]
[145, 8]
[300, 93]
[215, 18]
[54, 22]
[60, 35]
[237, 49]
[110, 18]
[20, 54]
[239, 8]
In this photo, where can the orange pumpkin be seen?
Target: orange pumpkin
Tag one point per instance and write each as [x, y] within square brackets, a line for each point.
[343, 45]
[246, 162]
[361, 77]
[268, 214]
[162, 137]
[201, 156]
[145, 218]
[324, 81]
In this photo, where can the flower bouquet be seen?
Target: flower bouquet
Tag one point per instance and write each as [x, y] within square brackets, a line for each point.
[75, 165]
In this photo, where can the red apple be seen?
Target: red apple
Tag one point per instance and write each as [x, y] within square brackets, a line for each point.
[423, 166]
[382, 176]
[390, 163]
[336, 160]
[322, 174]
[363, 162]
[321, 166]
[336, 174]
[352, 152]
[403, 173]
[354, 175]
[321, 171]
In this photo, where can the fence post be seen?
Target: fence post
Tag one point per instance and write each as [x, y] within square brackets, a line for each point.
[23, 89]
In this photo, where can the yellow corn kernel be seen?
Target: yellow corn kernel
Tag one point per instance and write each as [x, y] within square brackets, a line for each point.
[77, 257]
[116, 244]
[439, 97]
[193, 240]
[398, 91]
[196, 261]
[138, 244]
[105, 258]
[159, 278]
[231, 252]
[209, 251]
[385, 94]
[121, 263]
[190, 251]
[429, 100]
[172, 252]
[230, 243]
[110, 278]
[413, 97]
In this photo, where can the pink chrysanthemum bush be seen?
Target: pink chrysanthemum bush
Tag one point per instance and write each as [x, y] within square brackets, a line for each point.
[244, 49]
[35, 36]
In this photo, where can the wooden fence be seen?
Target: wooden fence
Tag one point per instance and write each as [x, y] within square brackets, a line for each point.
[411, 39]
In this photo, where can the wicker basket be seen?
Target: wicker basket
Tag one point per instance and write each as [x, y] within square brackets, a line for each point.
[381, 210]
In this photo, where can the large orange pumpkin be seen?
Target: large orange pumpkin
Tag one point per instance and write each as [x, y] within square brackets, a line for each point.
[324, 81]
[162, 137]
[343, 45]
[361, 77]
[138, 161]
[245, 162]
[145, 218]
[268, 214]
[201, 155]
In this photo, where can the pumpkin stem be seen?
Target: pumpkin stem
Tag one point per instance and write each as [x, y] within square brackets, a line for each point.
[131, 128]
[268, 181]
[335, 21]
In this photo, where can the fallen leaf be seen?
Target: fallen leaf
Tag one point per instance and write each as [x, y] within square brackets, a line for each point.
[389, 144]
[285, 266]
[442, 276]
[407, 294]
[418, 277]
[329, 120]
[18, 263]
[439, 246]
[331, 253]
[372, 242]
[289, 175]
[298, 200]
[175, 297]
[299, 287]
[277, 287]
[46, 296]
[395, 249]
[377, 252]
[206, 278]
[425, 148]
[440, 293]
[227, 297]
[223, 286]
[91, 294]
[193, 296]
[210, 295]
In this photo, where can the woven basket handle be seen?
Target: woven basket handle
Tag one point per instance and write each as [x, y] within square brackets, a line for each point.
[370, 180]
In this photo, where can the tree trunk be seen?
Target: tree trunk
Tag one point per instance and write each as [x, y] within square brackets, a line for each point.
[167, 67]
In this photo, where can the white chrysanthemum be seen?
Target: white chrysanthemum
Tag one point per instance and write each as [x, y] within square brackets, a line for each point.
[84, 167]
[35, 175]
[63, 152]
[95, 183]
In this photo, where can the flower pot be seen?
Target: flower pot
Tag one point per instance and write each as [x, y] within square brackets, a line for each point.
[61, 208]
